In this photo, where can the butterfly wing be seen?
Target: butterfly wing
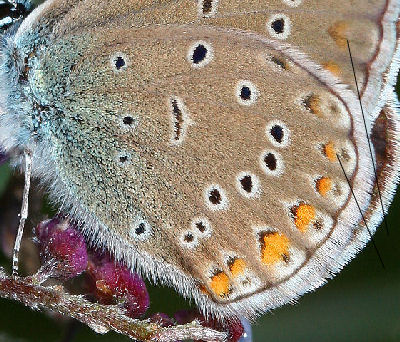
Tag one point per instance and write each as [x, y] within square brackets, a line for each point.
[209, 159]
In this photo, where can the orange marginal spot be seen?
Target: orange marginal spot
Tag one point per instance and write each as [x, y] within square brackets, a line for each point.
[275, 248]
[313, 103]
[338, 32]
[329, 151]
[220, 284]
[333, 68]
[304, 214]
[324, 185]
[237, 267]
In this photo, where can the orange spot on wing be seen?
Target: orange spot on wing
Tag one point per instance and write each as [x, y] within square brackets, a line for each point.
[237, 267]
[324, 185]
[329, 151]
[304, 214]
[313, 104]
[275, 248]
[220, 284]
[338, 32]
[333, 68]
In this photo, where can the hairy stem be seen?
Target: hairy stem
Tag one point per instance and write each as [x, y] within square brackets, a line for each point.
[101, 318]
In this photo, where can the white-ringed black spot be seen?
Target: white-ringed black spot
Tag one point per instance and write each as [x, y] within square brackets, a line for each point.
[248, 184]
[207, 8]
[271, 163]
[127, 122]
[279, 26]
[188, 237]
[140, 229]
[119, 62]
[246, 93]
[123, 158]
[189, 240]
[200, 54]
[216, 198]
[202, 227]
[277, 133]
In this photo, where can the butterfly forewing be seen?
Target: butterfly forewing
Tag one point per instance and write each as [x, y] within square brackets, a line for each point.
[320, 29]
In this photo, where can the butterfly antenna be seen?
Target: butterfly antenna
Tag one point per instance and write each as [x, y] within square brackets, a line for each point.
[369, 141]
[24, 210]
[362, 215]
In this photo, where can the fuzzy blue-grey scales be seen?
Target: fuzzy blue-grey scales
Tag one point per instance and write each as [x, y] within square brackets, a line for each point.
[202, 142]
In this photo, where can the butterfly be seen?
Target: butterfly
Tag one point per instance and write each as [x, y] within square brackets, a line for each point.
[229, 149]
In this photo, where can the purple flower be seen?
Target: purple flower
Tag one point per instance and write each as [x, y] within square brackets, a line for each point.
[62, 246]
[114, 281]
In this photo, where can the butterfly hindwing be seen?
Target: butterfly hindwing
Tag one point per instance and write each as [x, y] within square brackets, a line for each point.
[201, 149]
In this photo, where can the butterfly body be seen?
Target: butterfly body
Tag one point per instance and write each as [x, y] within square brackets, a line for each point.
[199, 147]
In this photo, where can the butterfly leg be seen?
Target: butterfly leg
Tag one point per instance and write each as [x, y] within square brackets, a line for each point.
[24, 210]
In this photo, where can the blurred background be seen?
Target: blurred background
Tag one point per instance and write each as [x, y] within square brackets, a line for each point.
[362, 303]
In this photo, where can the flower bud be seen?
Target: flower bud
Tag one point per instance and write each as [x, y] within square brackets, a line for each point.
[115, 281]
[61, 244]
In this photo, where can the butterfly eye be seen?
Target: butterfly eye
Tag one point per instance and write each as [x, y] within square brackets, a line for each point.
[248, 184]
[246, 93]
[207, 8]
[277, 133]
[216, 198]
[140, 230]
[119, 62]
[271, 163]
[278, 26]
[200, 54]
